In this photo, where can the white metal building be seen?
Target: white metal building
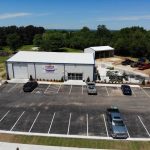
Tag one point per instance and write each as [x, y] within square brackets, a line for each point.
[100, 51]
[50, 66]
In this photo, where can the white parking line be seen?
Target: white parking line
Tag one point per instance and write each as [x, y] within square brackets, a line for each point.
[21, 90]
[145, 92]
[34, 91]
[127, 131]
[87, 121]
[69, 124]
[49, 130]
[120, 91]
[47, 88]
[144, 126]
[82, 89]
[4, 115]
[12, 88]
[34, 121]
[59, 88]
[70, 90]
[107, 90]
[17, 121]
[105, 125]
[133, 92]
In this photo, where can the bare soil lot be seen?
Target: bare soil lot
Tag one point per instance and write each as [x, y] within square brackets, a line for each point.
[116, 61]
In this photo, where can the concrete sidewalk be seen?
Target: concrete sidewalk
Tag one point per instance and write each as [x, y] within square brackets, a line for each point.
[14, 146]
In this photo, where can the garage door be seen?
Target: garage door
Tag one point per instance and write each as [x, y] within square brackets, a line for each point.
[20, 71]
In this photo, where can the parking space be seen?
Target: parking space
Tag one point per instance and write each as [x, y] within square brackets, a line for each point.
[146, 91]
[42, 123]
[138, 92]
[145, 120]
[26, 121]
[65, 89]
[96, 125]
[102, 91]
[40, 89]
[9, 120]
[76, 89]
[60, 123]
[52, 89]
[114, 91]
[135, 127]
[78, 125]
[8, 87]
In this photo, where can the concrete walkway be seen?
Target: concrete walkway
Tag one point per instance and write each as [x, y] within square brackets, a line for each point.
[69, 82]
[14, 146]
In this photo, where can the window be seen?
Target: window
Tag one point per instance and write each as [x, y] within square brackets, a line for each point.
[75, 76]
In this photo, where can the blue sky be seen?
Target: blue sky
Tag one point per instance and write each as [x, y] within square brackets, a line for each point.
[74, 14]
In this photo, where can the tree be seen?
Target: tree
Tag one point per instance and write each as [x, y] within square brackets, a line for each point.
[37, 40]
[102, 31]
[85, 29]
[52, 41]
[13, 41]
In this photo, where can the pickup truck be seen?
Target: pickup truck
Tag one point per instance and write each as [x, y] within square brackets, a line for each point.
[116, 124]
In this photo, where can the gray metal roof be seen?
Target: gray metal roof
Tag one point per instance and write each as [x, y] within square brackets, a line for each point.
[53, 57]
[102, 48]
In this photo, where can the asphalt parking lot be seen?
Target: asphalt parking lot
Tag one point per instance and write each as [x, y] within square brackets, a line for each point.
[70, 123]
[62, 109]
[51, 89]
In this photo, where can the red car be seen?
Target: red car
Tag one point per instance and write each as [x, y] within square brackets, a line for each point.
[146, 66]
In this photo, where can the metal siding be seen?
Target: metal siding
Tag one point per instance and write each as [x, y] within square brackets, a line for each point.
[10, 70]
[31, 70]
[42, 74]
[89, 50]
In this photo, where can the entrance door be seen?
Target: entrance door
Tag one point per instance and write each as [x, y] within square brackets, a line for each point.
[75, 76]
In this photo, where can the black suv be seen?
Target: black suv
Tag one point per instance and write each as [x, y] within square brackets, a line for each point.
[30, 86]
[126, 90]
[116, 124]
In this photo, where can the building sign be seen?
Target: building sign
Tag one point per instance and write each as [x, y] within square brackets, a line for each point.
[49, 68]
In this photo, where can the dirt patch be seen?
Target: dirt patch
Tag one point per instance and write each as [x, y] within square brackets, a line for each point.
[116, 61]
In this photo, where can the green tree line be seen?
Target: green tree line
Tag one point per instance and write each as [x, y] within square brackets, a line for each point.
[14, 36]
[133, 41]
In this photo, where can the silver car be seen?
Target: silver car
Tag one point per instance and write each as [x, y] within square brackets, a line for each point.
[91, 89]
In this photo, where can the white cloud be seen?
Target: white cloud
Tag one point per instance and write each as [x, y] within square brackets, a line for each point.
[22, 14]
[13, 15]
[125, 18]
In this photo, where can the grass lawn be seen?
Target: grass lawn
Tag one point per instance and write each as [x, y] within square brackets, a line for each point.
[26, 47]
[81, 143]
[3, 59]
[2, 66]
[71, 50]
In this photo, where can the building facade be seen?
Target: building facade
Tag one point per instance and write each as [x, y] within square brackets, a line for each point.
[50, 66]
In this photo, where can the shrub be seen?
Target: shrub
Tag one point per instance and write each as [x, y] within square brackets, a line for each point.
[88, 79]
[62, 79]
